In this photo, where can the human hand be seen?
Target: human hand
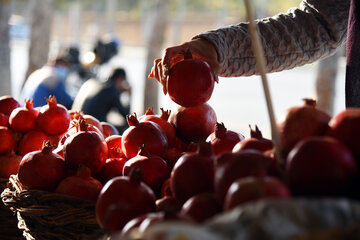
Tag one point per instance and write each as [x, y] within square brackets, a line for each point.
[199, 48]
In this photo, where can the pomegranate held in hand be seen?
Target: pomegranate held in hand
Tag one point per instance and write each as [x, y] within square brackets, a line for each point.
[250, 189]
[190, 82]
[82, 185]
[319, 166]
[122, 199]
[223, 140]
[53, 118]
[41, 170]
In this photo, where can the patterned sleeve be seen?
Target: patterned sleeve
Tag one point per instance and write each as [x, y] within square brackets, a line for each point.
[302, 35]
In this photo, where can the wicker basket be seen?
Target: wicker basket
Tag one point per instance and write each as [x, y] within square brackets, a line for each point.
[9, 224]
[45, 215]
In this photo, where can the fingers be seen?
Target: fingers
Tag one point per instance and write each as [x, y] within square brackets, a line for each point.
[157, 73]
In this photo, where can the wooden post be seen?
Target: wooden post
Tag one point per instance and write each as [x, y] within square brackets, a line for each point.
[5, 73]
[260, 64]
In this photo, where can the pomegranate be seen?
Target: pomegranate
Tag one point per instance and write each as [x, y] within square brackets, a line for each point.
[33, 141]
[172, 155]
[232, 166]
[319, 166]
[4, 120]
[168, 204]
[85, 147]
[201, 207]
[114, 142]
[108, 129]
[122, 199]
[113, 168]
[194, 123]
[8, 140]
[301, 122]
[166, 189]
[42, 170]
[23, 119]
[93, 121]
[53, 118]
[256, 141]
[251, 189]
[139, 133]
[9, 164]
[345, 127]
[154, 168]
[190, 82]
[82, 185]
[223, 140]
[162, 121]
[193, 173]
[8, 104]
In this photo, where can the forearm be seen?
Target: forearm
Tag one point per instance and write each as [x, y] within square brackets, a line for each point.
[300, 36]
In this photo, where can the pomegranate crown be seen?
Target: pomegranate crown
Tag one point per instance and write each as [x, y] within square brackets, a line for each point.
[132, 119]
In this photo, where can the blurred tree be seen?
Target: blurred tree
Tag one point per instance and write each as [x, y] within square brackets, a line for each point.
[5, 82]
[41, 21]
[155, 22]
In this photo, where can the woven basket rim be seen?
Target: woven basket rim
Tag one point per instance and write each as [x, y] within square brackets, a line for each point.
[49, 215]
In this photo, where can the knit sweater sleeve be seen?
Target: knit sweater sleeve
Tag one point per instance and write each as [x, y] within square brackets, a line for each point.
[302, 35]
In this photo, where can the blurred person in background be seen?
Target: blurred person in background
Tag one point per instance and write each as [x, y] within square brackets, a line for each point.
[46, 81]
[100, 98]
[312, 31]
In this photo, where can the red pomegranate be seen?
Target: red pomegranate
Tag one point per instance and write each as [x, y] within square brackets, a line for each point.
[232, 166]
[201, 207]
[139, 133]
[345, 127]
[193, 173]
[87, 148]
[108, 129]
[53, 118]
[223, 140]
[8, 104]
[301, 122]
[251, 189]
[8, 140]
[42, 170]
[154, 168]
[93, 121]
[113, 168]
[256, 141]
[23, 119]
[193, 124]
[82, 185]
[190, 82]
[162, 121]
[4, 120]
[320, 166]
[122, 199]
[9, 164]
[33, 141]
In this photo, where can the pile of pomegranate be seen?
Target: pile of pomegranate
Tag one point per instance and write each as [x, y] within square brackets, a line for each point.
[179, 166]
